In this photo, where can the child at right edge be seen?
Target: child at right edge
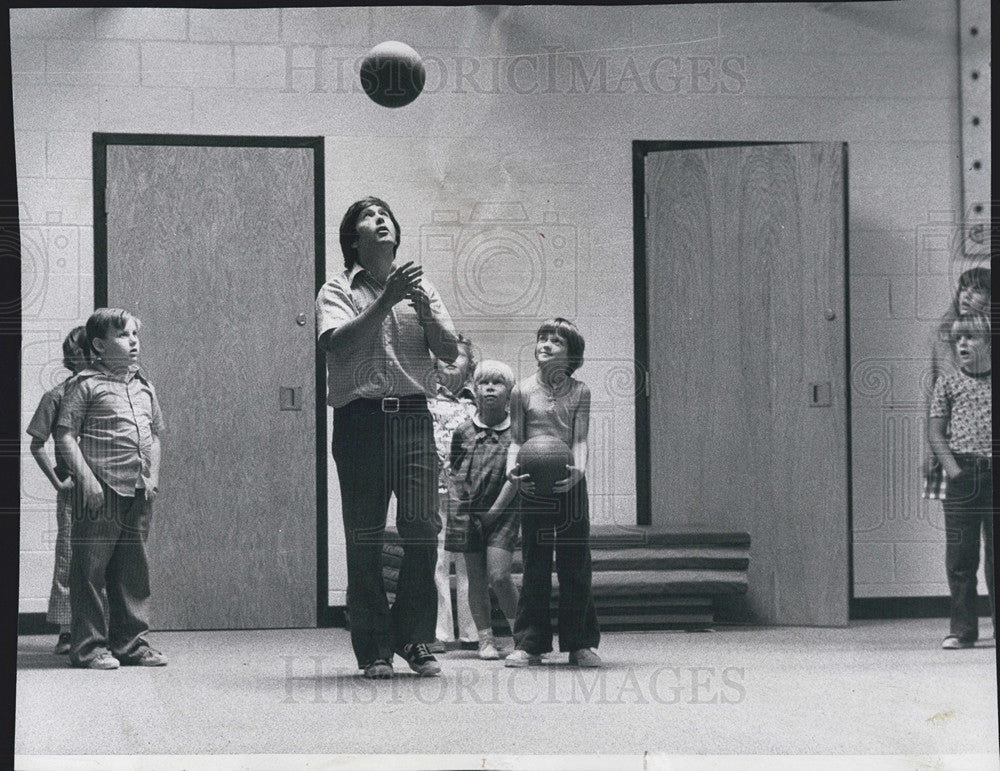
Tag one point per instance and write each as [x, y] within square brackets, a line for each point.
[959, 431]
[555, 403]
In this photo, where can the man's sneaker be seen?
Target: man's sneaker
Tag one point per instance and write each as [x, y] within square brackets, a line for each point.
[521, 658]
[103, 660]
[584, 657]
[420, 659]
[952, 643]
[147, 657]
[379, 669]
[62, 644]
[488, 651]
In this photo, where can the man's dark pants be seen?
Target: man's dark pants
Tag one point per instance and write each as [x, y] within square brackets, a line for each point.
[968, 509]
[109, 553]
[378, 453]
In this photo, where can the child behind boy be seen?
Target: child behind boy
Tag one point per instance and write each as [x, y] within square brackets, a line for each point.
[959, 430]
[477, 474]
[452, 404]
[112, 408]
[42, 424]
[552, 402]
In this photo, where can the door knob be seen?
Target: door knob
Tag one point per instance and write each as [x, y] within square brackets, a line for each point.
[301, 319]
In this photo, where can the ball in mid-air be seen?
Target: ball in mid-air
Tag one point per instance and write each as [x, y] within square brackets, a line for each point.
[545, 459]
[392, 74]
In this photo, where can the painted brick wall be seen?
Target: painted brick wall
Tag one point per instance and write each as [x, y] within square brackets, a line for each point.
[536, 106]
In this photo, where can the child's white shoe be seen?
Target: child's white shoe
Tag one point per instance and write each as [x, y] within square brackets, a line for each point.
[521, 658]
[488, 651]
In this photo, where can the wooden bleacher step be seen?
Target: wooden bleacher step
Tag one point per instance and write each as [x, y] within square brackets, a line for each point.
[662, 558]
[646, 579]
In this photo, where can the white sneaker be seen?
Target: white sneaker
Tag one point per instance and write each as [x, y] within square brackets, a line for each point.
[488, 651]
[521, 658]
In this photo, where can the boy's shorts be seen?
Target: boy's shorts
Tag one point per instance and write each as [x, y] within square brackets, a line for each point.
[465, 532]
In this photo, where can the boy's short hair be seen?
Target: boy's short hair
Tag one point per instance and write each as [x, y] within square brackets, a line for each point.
[75, 347]
[103, 320]
[972, 324]
[349, 227]
[491, 368]
[977, 279]
[574, 340]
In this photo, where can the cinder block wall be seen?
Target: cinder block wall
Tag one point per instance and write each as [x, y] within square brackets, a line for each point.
[535, 107]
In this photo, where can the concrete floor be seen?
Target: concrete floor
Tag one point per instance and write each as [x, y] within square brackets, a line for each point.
[877, 687]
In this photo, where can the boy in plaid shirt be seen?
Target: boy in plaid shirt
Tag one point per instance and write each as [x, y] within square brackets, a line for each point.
[113, 411]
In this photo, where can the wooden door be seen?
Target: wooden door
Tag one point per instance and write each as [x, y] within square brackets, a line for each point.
[214, 248]
[747, 359]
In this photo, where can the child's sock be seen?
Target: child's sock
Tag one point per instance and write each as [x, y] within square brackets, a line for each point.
[64, 629]
[485, 635]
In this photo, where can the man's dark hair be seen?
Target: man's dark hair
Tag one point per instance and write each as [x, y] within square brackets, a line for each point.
[349, 227]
